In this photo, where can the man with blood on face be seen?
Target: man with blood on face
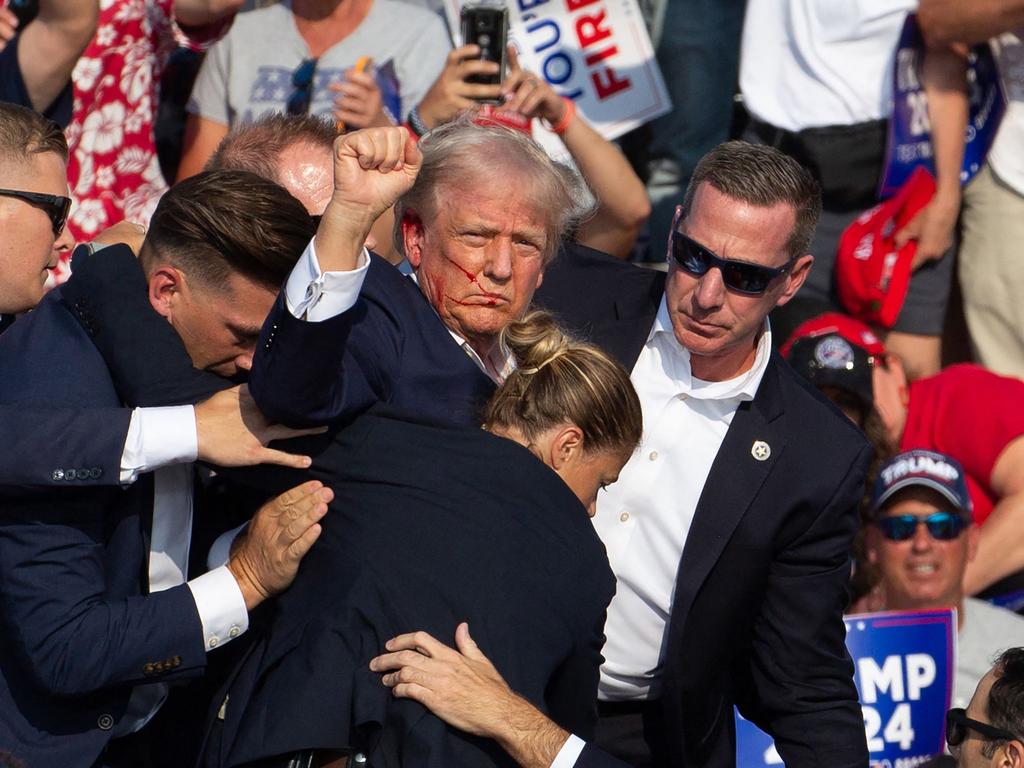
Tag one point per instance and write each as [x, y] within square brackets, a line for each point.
[479, 225]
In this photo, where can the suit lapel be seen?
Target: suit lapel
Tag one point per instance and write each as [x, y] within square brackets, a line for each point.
[624, 336]
[736, 476]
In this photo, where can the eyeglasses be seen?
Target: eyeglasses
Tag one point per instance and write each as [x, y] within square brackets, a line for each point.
[944, 526]
[958, 723]
[57, 207]
[302, 81]
[740, 276]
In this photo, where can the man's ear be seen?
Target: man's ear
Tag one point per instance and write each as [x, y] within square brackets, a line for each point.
[165, 286]
[413, 236]
[565, 446]
[1013, 754]
[795, 278]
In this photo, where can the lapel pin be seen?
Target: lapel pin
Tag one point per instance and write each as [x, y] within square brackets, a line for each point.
[760, 450]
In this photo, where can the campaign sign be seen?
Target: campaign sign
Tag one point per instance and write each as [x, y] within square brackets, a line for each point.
[595, 52]
[904, 664]
[910, 139]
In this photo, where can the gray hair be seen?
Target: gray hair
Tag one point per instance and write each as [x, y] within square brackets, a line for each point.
[763, 176]
[462, 152]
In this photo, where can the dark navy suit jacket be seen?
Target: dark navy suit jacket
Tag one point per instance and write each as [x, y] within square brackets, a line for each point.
[757, 608]
[471, 527]
[78, 632]
[391, 347]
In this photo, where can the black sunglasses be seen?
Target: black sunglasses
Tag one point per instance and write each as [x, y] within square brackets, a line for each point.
[944, 526]
[57, 207]
[302, 81]
[739, 276]
[958, 723]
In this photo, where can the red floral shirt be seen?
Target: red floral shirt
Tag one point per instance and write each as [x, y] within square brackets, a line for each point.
[113, 168]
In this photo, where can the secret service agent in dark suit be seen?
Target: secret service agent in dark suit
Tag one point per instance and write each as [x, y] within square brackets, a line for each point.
[756, 614]
[90, 620]
[473, 526]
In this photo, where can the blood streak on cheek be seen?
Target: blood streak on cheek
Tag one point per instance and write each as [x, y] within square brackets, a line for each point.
[493, 297]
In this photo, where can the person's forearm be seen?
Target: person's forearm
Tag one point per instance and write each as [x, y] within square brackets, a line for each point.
[944, 76]
[955, 21]
[1000, 545]
[49, 47]
[198, 13]
[623, 206]
[530, 738]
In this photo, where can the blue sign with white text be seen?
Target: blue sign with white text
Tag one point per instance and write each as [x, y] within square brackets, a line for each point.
[910, 131]
[904, 664]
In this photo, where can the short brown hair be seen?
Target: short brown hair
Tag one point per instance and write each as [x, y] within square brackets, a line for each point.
[761, 175]
[561, 380]
[222, 222]
[24, 133]
[257, 147]
[461, 153]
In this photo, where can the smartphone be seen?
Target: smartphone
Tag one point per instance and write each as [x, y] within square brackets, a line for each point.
[487, 27]
[24, 10]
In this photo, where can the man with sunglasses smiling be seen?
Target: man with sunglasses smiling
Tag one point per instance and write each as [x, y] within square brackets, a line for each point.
[920, 538]
[990, 731]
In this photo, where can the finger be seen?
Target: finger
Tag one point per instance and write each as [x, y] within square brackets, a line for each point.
[478, 91]
[298, 548]
[7, 31]
[389, 662]
[478, 67]
[304, 520]
[354, 119]
[513, 58]
[283, 459]
[462, 53]
[415, 692]
[466, 644]
[420, 641]
[293, 495]
[352, 90]
[412, 157]
[281, 432]
[362, 79]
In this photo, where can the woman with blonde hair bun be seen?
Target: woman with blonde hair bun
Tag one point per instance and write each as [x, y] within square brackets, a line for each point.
[432, 525]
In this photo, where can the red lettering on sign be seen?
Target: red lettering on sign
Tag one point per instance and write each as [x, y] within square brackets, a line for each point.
[597, 58]
[611, 85]
[575, 5]
[589, 30]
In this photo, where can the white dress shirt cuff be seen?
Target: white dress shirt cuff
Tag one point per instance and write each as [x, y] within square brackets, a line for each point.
[220, 552]
[158, 437]
[221, 607]
[570, 752]
[314, 295]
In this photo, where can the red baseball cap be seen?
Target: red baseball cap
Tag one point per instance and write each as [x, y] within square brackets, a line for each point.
[872, 274]
[854, 331]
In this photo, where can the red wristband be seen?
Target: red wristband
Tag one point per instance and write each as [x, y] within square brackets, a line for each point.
[570, 112]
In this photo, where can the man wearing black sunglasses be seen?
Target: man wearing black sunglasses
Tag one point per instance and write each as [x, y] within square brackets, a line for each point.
[920, 538]
[990, 731]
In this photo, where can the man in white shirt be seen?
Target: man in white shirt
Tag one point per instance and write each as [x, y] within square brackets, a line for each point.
[98, 610]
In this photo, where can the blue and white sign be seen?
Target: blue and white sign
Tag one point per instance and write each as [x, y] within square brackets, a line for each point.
[904, 664]
[910, 131]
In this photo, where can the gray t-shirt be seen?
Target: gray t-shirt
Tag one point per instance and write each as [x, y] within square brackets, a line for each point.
[248, 74]
[987, 631]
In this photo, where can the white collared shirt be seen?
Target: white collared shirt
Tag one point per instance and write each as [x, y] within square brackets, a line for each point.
[218, 599]
[644, 518]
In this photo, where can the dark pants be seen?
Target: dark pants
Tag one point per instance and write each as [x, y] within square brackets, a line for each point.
[633, 732]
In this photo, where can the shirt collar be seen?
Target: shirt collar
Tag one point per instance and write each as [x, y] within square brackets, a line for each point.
[742, 387]
[501, 359]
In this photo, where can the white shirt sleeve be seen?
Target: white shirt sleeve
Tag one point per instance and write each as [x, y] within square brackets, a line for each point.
[158, 437]
[570, 752]
[314, 295]
[220, 551]
[221, 607]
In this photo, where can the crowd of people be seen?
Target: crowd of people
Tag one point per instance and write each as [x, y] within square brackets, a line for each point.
[342, 429]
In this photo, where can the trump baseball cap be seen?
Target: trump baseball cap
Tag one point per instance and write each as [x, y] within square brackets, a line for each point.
[872, 274]
[925, 469]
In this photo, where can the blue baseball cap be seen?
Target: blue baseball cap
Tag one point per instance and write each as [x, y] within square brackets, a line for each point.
[926, 469]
